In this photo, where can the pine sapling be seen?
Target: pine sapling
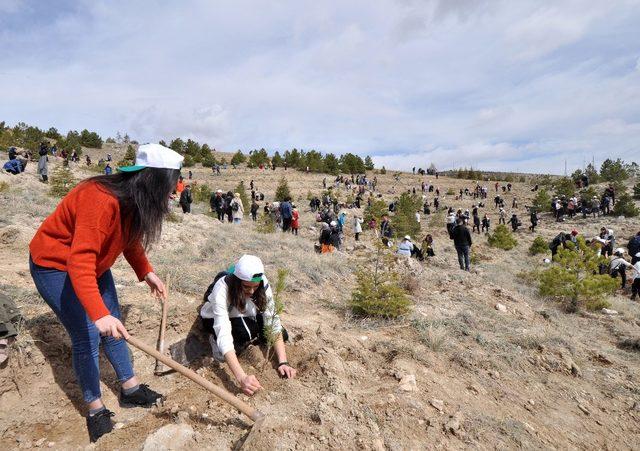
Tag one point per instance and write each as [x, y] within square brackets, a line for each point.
[272, 327]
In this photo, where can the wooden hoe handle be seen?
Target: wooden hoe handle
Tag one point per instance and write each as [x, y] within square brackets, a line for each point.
[221, 393]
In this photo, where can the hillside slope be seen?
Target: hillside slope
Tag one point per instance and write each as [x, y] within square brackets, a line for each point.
[455, 373]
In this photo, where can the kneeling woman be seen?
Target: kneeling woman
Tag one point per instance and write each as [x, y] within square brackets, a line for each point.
[235, 314]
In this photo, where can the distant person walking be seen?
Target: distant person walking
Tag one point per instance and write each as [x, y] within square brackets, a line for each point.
[237, 208]
[357, 227]
[462, 241]
[186, 199]
[43, 165]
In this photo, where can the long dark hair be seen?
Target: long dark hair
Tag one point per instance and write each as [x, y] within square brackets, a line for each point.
[236, 295]
[144, 201]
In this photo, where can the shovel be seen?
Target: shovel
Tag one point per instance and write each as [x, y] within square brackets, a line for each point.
[221, 393]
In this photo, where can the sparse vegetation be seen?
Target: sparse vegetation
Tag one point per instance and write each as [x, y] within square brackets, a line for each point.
[201, 193]
[502, 238]
[432, 334]
[265, 224]
[4, 186]
[282, 191]
[573, 279]
[61, 182]
[270, 333]
[539, 246]
[377, 292]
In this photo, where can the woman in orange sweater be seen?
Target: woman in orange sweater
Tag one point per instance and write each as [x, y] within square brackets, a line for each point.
[70, 260]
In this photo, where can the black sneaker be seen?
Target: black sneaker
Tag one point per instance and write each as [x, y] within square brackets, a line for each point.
[99, 424]
[142, 397]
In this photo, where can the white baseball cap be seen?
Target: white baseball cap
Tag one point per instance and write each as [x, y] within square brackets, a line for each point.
[154, 156]
[249, 268]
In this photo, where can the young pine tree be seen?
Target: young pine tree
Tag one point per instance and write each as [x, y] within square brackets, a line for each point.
[404, 222]
[62, 181]
[270, 325]
[282, 191]
[574, 278]
[502, 238]
[240, 189]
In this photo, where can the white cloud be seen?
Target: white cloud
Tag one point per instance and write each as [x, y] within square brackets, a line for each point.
[504, 85]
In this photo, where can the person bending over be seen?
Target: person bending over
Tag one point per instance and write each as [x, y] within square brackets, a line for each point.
[235, 314]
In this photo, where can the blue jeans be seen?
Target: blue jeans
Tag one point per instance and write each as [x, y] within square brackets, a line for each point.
[237, 220]
[56, 289]
[463, 257]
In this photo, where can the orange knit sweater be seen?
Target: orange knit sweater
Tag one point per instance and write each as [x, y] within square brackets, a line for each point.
[83, 237]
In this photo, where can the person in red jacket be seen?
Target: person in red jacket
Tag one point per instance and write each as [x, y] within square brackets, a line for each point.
[70, 259]
[295, 220]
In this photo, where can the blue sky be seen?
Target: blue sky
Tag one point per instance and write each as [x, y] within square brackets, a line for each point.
[496, 84]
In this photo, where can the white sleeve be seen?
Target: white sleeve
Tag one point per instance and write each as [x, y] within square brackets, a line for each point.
[216, 308]
[269, 311]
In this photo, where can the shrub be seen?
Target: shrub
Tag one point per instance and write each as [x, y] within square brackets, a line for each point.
[238, 158]
[4, 186]
[265, 224]
[201, 193]
[502, 238]
[542, 201]
[172, 216]
[432, 334]
[404, 221]
[62, 181]
[282, 191]
[377, 291]
[379, 296]
[188, 161]
[450, 192]
[565, 187]
[573, 279]
[539, 246]
[129, 157]
[383, 170]
[625, 206]
[613, 170]
[90, 139]
[376, 210]
[368, 163]
[636, 191]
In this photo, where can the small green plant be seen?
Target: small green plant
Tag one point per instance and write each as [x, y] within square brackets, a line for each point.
[376, 210]
[542, 201]
[573, 279]
[271, 323]
[539, 246]
[62, 181]
[240, 189]
[282, 191]
[201, 193]
[265, 224]
[377, 292]
[625, 206]
[404, 221]
[432, 334]
[172, 216]
[502, 238]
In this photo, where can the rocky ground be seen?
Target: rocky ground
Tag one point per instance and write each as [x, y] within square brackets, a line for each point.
[482, 361]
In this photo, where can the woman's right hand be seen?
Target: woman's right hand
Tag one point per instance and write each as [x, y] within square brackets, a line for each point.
[110, 326]
[250, 384]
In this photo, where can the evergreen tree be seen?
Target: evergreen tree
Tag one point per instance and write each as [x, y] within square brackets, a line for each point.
[502, 238]
[376, 210]
[565, 187]
[277, 160]
[539, 246]
[62, 181]
[240, 189]
[613, 170]
[404, 221]
[636, 191]
[368, 163]
[542, 201]
[238, 158]
[282, 191]
[625, 206]
[331, 164]
[574, 278]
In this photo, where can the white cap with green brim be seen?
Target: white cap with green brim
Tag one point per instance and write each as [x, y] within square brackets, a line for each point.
[249, 268]
[154, 156]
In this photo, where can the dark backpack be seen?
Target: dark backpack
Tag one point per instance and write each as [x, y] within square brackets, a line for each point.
[218, 276]
[235, 206]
